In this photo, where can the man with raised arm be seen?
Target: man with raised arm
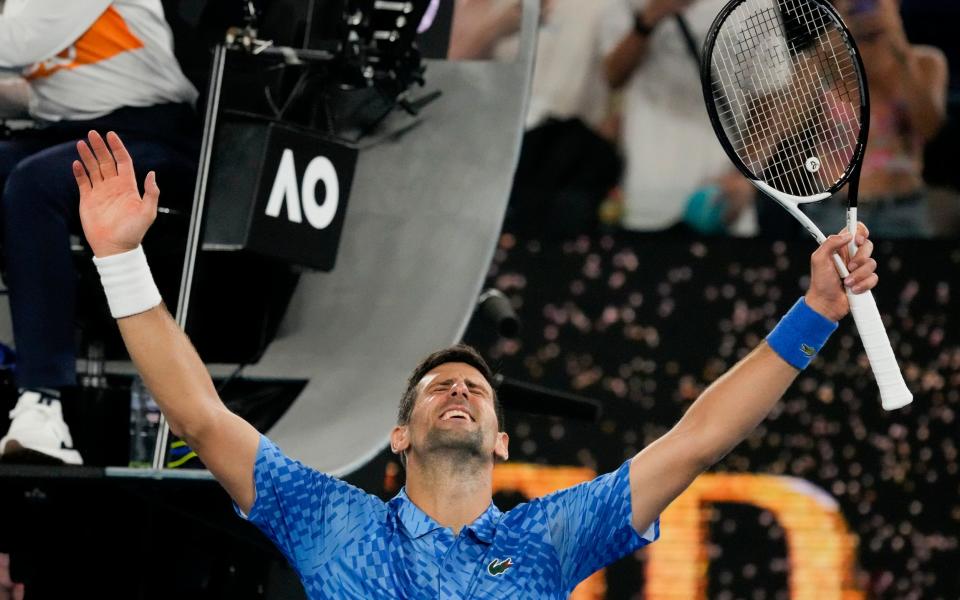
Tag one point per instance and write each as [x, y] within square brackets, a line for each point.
[441, 536]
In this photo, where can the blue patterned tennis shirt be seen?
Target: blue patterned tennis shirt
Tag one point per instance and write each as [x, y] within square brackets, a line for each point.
[345, 543]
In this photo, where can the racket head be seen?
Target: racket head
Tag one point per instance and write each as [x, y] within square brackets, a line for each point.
[786, 92]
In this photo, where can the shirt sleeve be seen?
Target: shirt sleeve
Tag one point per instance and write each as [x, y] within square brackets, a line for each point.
[307, 514]
[41, 29]
[590, 525]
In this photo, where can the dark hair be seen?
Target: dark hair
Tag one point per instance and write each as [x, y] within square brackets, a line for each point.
[458, 353]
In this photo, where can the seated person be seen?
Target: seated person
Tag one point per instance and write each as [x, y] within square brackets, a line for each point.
[89, 64]
[908, 97]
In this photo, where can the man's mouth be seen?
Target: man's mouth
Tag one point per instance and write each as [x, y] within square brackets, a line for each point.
[455, 413]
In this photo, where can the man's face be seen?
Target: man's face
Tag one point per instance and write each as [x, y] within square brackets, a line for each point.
[453, 412]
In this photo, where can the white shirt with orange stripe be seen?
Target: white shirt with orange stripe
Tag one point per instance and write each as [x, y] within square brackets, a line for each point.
[86, 58]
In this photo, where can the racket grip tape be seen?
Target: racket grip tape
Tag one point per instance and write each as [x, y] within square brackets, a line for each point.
[894, 393]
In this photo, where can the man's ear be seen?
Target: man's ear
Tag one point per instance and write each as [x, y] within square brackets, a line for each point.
[500, 449]
[399, 439]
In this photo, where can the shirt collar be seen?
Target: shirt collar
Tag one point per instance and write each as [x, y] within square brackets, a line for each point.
[486, 524]
[418, 523]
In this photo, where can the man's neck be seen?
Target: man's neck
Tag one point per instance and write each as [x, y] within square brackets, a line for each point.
[452, 492]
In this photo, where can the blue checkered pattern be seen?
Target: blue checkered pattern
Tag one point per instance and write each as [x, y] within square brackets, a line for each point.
[345, 543]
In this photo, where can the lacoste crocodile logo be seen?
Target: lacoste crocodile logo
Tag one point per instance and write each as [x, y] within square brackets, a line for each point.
[807, 350]
[499, 567]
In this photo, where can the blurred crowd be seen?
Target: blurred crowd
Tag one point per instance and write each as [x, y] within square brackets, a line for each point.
[612, 317]
[619, 138]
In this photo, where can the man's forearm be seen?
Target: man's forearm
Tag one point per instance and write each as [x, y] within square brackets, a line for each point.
[182, 387]
[721, 417]
[115, 218]
[172, 370]
[737, 402]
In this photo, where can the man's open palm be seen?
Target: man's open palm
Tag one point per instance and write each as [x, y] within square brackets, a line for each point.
[114, 216]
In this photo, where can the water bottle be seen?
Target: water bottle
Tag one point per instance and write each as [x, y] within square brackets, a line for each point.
[144, 424]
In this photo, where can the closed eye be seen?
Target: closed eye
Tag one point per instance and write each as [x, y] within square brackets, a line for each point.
[476, 388]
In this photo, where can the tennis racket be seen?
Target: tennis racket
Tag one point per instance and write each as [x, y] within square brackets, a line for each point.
[786, 92]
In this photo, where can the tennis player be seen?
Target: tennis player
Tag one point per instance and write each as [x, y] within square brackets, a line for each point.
[441, 536]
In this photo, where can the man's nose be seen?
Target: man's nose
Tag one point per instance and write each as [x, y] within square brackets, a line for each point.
[459, 388]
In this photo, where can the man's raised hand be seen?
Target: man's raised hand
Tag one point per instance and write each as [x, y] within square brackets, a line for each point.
[826, 293]
[114, 216]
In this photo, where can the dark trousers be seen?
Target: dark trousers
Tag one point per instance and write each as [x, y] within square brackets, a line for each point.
[565, 171]
[39, 212]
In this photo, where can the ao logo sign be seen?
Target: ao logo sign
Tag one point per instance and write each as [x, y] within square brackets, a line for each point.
[287, 192]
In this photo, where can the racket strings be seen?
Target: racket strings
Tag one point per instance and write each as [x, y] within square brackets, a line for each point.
[824, 129]
[764, 148]
[767, 106]
[792, 116]
[787, 91]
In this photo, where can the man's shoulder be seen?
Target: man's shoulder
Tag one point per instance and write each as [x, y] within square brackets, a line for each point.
[527, 515]
[531, 516]
[308, 483]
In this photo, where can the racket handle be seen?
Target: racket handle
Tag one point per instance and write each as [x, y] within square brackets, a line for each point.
[893, 389]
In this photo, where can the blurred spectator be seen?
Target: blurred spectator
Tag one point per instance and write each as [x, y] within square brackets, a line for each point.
[89, 64]
[568, 79]
[568, 162]
[908, 96]
[479, 25]
[671, 151]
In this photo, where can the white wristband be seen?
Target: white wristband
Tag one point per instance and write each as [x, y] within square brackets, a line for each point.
[128, 283]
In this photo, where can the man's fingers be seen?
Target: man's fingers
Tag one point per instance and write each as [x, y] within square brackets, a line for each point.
[862, 266]
[124, 162]
[867, 284]
[863, 255]
[832, 244]
[862, 233]
[861, 273]
[108, 166]
[89, 161]
[83, 182]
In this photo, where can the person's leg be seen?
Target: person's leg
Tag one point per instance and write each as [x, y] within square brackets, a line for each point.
[39, 209]
[39, 276]
[40, 202]
[12, 152]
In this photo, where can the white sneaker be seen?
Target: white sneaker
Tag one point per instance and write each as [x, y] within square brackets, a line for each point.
[37, 427]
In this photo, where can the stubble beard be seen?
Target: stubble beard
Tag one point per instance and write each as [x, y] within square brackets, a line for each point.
[454, 445]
